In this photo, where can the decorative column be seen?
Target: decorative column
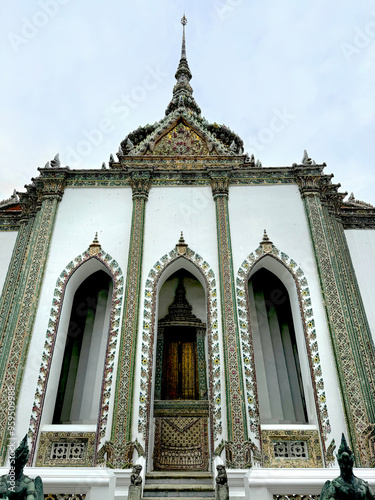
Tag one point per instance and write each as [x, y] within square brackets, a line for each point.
[123, 446]
[237, 446]
[353, 355]
[21, 316]
[12, 280]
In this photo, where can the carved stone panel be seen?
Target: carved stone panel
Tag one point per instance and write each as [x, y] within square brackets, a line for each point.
[181, 443]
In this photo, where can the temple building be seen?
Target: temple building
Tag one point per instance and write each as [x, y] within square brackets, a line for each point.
[185, 307]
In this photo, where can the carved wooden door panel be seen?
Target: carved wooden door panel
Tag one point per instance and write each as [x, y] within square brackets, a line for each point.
[180, 368]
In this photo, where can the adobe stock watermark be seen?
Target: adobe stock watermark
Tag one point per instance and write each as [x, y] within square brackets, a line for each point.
[277, 124]
[120, 109]
[11, 396]
[33, 24]
[224, 8]
[362, 38]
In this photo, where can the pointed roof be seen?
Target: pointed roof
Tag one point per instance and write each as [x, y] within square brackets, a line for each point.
[183, 131]
[180, 311]
[182, 91]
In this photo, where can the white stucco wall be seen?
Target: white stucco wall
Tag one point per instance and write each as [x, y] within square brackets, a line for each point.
[7, 241]
[361, 244]
[81, 213]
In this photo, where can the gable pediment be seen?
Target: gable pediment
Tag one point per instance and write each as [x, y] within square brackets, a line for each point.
[181, 139]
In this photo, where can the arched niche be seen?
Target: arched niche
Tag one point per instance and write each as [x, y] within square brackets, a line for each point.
[92, 260]
[281, 359]
[79, 387]
[181, 408]
[280, 388]
[66, 329]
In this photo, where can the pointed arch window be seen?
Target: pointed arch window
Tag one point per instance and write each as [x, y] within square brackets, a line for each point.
[279, 380]
[79, 386]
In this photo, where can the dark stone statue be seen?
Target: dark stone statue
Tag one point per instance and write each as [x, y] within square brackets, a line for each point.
[222, 488]
[15, 485]
[347, 486]
[135, 488]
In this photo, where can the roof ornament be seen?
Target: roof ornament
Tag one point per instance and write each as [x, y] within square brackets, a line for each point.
[95, 246]
[182, 91]
[14, 198]
[55, 163]
[181, 246]
[266, 243]
[306, 160]
[129, 145]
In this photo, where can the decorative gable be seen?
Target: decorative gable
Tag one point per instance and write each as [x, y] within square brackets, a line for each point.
[180, 140]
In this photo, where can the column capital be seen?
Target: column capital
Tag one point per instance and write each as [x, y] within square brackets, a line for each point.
[140, 183]
[309, 185]
[51, 186]
[219, 183]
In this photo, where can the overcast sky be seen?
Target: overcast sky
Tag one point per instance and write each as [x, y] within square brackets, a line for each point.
[79, 75]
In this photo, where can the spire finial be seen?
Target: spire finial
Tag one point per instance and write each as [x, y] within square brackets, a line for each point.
[182, 91]
[183, 49]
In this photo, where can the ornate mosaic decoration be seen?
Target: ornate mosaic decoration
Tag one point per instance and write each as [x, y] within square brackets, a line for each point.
[13, 275]
[65, 496]
[266, 248]
[294, 496]
[348, 330]
[51, 334]
[148, 339]
[309, 454]
[181, 443]
[123, 408]
[237, 447]
[15, 348]
[181, 140]
[66, 449]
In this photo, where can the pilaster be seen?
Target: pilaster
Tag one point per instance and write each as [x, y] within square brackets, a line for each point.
[237, 446]
[12, 280]
[353, 359]
[20, 310]
[123, 408]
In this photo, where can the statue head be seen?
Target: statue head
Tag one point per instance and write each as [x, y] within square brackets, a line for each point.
[21, 456]
[137, 469]
[345, 457]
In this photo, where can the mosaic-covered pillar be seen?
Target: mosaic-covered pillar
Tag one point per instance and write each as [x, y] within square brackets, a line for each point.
[237, 446]
[352, 360]
[20, 325]
[123, 409]
[12, 280]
